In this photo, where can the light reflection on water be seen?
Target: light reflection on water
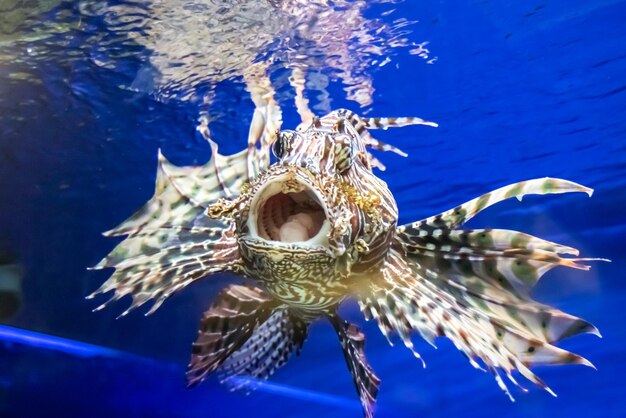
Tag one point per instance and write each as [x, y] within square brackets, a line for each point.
[186, 48]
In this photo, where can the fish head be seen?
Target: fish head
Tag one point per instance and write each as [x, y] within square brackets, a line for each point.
[317, 211]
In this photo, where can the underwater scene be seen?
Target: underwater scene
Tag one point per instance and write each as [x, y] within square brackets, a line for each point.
[303, 208]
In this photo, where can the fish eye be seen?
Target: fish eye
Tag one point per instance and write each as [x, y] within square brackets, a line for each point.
[344, 153]
[282, 145]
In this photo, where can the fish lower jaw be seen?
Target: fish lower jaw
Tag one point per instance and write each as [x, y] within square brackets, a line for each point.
[292, 237]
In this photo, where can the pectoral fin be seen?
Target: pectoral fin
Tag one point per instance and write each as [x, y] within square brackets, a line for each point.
[171, 241]
[473, 287]
[498, 328]
[456, 217]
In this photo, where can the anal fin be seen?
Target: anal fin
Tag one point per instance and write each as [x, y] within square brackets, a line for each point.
[269, 347]
[225, 327]
[245, 336]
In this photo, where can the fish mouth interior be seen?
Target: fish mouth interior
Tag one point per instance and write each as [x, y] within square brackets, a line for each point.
[289, 217]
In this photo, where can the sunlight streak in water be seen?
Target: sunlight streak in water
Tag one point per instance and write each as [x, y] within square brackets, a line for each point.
[81, 349]
[51, 342]
[296, 393]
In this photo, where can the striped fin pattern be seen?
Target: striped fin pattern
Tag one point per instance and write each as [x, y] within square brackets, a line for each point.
[171, 241]
[504, 340]
[182, 193]
[473, 287]
[386, 123]
[270, 347]
[456, 217]
[226, 326]
[358, 126]
[508, 260]
[362, 125]
[156, 264]
[367, 383]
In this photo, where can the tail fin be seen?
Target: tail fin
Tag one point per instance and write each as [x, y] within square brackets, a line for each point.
[352, 342]
[245, 333]
[473, 287]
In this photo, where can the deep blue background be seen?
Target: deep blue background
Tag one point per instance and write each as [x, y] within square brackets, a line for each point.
[520, 89]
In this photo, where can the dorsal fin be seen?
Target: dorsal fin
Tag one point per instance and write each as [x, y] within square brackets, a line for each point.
[182, 193]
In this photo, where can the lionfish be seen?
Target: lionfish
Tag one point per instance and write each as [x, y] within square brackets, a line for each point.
[317, 227]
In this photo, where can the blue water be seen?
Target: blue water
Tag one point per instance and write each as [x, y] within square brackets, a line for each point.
[520, 90]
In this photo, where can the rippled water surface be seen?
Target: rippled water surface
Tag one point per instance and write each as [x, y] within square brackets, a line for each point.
[90, 90]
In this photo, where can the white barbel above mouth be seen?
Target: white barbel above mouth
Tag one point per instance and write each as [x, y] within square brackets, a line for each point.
[286, 211]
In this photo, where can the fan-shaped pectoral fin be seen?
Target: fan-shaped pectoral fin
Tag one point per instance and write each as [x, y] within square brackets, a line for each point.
[171, 240]
[473, 290]
[352, 343]
[154, 264]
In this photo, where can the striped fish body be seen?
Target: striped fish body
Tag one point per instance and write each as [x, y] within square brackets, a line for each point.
[323, 184]
[318, 226]
[304, 280]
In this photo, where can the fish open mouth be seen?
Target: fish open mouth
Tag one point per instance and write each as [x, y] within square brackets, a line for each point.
[286, 211]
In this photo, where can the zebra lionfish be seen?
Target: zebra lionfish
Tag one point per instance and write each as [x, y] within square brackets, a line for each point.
[316, 227]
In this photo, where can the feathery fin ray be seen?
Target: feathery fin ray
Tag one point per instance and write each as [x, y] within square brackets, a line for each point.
[456, 217]
[171, 242]
[225, 327]
[352, 342]
[245, 333]
[359, 126]
[473, 287]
